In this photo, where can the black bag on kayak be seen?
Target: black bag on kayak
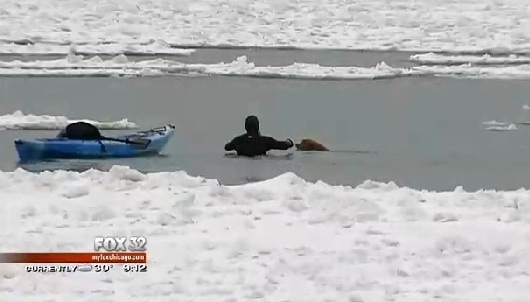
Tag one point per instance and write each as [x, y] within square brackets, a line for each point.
[82, 131]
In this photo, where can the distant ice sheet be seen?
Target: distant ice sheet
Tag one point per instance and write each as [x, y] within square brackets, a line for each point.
[435, 25]
[19, 120]
[157, 48]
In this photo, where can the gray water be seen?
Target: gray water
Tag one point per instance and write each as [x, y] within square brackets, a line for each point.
[424, 133]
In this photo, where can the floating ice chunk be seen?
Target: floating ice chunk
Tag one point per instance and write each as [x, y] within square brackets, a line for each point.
[510, 127]
[469, 71]
[241, 67]
[494, 123]
[440, 59]
[18, 120]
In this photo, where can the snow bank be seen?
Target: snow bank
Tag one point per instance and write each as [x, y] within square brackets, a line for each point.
[18, 120]
[277, 240]
[438, 59]
[436, 25]
[156, 48]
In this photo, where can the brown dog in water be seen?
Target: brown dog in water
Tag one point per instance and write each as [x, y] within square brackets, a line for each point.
[310, 145]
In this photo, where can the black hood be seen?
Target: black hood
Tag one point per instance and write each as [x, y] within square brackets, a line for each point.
[252, 124]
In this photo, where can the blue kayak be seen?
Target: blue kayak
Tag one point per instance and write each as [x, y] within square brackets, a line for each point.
[140, 143]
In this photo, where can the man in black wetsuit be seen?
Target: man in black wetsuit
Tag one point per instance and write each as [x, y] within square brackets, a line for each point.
[253, 143]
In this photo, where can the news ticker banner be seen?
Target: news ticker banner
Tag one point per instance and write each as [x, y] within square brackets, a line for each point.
[121, 249]
[53, 257]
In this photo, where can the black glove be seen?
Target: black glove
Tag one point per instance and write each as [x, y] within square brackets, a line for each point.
[291, 143]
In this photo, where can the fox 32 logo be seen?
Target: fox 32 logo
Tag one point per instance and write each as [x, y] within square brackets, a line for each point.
[120, 244]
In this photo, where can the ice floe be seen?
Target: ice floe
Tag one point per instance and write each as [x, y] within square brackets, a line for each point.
[440, 59]
[120, 65]
[78, 65]
[502, 127]
[470, 71]
[21, 121]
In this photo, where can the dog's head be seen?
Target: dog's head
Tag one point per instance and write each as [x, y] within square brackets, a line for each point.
[310, 145]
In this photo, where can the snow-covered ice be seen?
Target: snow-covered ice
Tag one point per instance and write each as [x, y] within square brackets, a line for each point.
[470, 71]
[19, 120]
[77, 65]
[241, 66]
[439, 59]
[434, 25]
[120, 65]
[157, 48]
[283, 239]
[87, 72]
[79, 61]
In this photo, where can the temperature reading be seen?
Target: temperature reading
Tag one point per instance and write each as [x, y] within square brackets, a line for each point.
[103, 267]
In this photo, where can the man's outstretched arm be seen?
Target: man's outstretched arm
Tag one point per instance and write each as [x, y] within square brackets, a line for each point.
[231, 146]
[274, 144]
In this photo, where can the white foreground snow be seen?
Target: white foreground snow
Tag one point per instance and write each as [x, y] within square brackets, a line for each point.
[438, 59]
[19, 120]
[464, 25]
[279, 240]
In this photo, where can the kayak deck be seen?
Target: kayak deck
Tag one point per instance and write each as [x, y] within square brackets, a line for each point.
[141, 143]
